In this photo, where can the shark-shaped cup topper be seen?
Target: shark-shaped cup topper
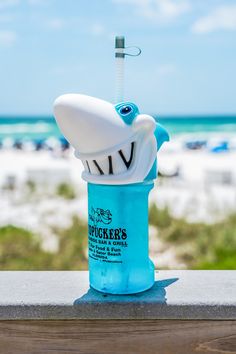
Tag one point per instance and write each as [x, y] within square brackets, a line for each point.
[116, 144]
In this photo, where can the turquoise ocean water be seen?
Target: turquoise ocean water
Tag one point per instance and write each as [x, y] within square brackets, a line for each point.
[36, 128]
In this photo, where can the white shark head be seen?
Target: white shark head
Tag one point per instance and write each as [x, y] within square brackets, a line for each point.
[115, 143]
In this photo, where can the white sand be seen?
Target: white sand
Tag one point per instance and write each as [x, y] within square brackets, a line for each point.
[201, 192]
[205, 188]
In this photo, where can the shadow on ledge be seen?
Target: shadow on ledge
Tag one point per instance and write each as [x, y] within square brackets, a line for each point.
[156, 294]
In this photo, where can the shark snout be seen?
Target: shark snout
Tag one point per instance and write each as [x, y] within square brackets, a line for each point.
[90, 124]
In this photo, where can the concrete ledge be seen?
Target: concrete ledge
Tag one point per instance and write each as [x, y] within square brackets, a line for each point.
[182, 295]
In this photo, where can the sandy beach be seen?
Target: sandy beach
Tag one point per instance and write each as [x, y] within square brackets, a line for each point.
[203, 189]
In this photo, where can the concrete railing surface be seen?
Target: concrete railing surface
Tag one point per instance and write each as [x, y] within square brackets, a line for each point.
[57, 312]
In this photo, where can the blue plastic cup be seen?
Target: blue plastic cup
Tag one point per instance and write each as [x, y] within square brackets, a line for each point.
[119, 262]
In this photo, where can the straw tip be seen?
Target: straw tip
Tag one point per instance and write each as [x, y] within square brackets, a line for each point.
[119, 42]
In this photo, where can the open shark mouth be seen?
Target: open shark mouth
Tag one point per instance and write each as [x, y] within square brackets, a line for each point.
[114, 164]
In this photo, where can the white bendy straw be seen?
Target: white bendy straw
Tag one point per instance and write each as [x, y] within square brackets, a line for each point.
[119, 58]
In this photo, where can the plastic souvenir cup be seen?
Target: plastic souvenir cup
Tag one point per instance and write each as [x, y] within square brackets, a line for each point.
[117, 146]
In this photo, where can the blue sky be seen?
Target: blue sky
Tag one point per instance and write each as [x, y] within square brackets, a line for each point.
[51, 47]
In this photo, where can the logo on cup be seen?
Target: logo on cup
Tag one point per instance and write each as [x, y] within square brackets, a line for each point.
[99, 215]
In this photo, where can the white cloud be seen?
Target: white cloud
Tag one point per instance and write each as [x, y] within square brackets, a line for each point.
[7, 38]
[8, 3]
[160, 10]
[97, 29]
[56, 23]
[221, 18]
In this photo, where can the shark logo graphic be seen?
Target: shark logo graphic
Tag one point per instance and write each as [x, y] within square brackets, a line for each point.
[116, 144]
[99, 215]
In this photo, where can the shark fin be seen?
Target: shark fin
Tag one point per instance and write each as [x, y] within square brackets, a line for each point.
[161, 135]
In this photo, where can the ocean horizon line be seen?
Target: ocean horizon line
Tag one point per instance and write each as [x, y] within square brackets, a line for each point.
[156, 115]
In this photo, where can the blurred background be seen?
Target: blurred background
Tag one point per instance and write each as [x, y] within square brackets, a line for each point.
[185, 77]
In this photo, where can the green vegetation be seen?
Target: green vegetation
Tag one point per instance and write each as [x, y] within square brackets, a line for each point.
[198, 245]
[31, 185]
[20, 249]
[72, 252]
[66, 191]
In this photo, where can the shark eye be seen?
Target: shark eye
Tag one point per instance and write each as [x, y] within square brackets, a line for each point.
[125, 110]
